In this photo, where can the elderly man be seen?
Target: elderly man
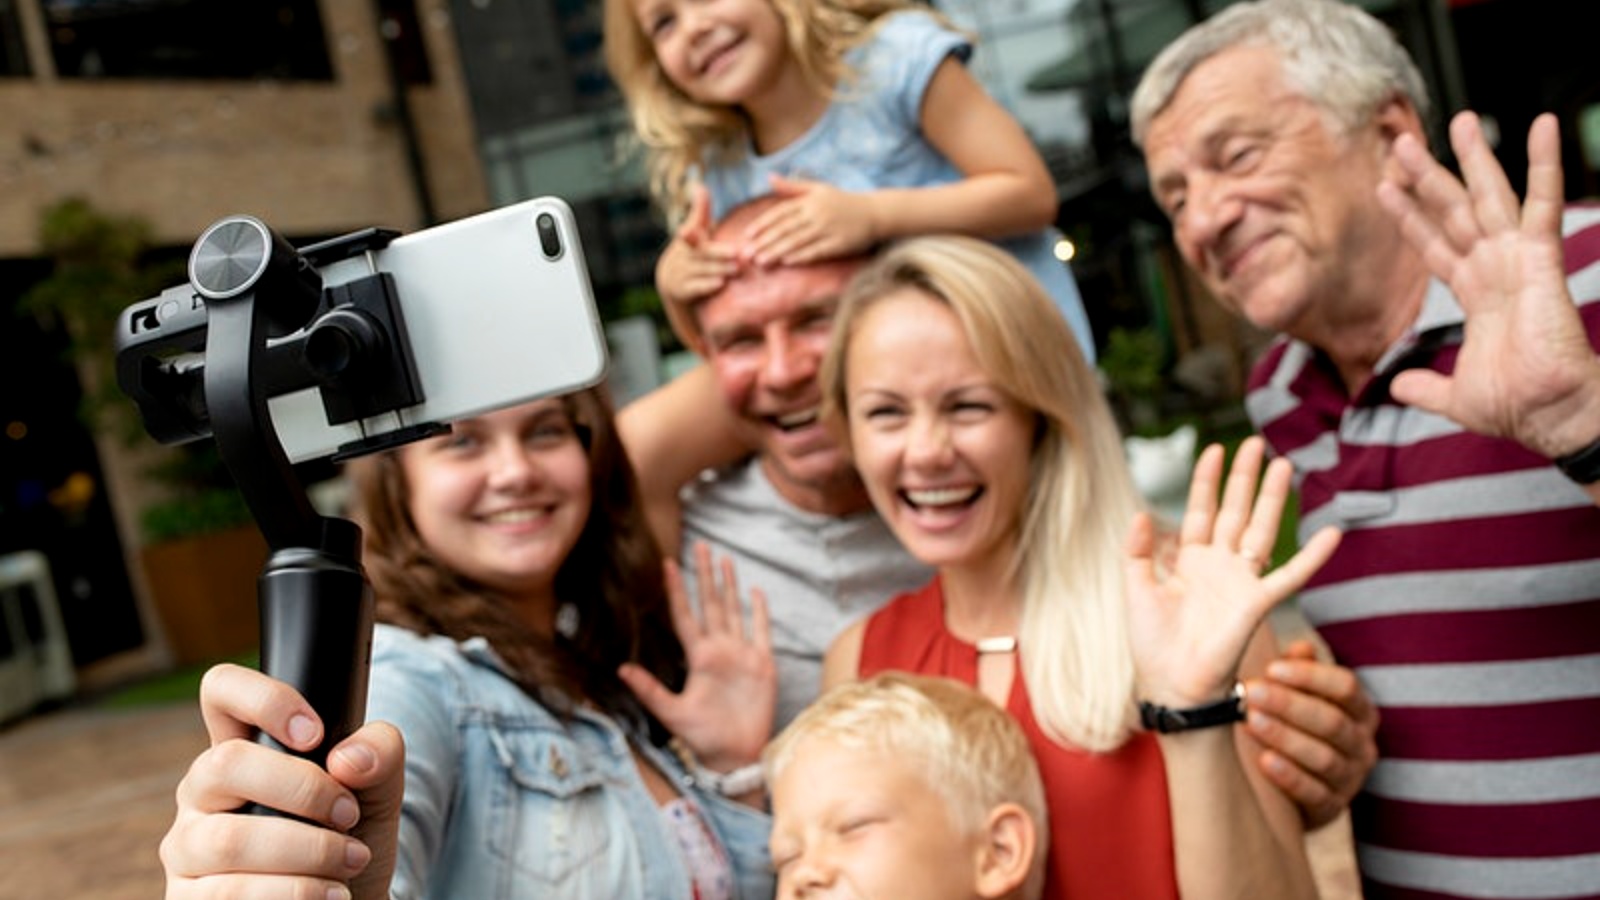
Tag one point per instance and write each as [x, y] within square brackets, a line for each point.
[797, 522]
[1285, 140]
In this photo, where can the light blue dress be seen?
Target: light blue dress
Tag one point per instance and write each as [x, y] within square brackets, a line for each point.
[504, 800]
[871, 138]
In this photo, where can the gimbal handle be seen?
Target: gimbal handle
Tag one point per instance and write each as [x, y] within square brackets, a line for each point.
[316, 608]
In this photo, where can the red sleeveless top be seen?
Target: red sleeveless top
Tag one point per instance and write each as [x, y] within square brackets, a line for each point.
[1110, 826]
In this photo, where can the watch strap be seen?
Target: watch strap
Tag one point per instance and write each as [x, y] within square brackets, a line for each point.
[1166, 720]
[1582, 466]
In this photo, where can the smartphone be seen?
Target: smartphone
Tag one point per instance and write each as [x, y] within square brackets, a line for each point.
[498, 309]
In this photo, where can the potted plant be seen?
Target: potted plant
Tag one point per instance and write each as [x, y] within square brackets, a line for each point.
[198, 549]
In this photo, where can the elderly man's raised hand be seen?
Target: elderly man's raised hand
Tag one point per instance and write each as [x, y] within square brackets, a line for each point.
[1526, 370]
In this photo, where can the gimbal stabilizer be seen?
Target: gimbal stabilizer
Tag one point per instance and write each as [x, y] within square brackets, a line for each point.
[202, 358]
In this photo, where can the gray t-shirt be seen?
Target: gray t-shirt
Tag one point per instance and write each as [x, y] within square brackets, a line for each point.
[819, 573]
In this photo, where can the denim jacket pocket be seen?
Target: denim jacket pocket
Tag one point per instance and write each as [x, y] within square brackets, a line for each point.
[551, 815]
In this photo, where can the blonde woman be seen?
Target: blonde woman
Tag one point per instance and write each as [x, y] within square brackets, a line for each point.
[993, 457]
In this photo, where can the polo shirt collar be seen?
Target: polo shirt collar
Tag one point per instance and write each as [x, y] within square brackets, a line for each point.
[1440, 315]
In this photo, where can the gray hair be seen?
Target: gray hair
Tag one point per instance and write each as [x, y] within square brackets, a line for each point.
[1334, 54]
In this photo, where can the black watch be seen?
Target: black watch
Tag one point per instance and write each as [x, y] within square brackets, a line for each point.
[1582, 466]
[1226, 711]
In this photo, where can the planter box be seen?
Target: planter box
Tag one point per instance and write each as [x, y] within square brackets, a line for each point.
[204, 588]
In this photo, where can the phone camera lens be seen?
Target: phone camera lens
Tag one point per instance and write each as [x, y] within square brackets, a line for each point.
[549, 237]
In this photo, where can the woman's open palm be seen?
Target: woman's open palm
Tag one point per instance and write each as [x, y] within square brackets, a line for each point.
[725, 710]
[1193, 612]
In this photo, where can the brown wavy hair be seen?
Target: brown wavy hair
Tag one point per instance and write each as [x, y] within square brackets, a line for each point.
[612, 578]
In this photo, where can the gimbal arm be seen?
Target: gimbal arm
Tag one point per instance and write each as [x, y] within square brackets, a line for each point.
[315, 607]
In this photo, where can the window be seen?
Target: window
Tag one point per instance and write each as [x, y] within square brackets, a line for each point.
[199, 39]
[402, 32]
[13, 52]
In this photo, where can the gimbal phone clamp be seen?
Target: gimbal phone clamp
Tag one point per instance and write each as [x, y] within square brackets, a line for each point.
[254, 322]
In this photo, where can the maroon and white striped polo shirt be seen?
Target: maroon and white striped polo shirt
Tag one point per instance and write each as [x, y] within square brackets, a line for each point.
[1466, 596]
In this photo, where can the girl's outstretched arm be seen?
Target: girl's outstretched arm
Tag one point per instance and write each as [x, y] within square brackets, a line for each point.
[1007, 189]
[724, 713]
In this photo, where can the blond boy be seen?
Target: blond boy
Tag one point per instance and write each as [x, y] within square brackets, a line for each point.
[906, 786]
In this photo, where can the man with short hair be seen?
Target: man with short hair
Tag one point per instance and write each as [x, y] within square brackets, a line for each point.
[1432, 365]
[794, 515]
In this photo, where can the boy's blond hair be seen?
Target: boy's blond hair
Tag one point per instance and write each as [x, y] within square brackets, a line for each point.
[960, 744]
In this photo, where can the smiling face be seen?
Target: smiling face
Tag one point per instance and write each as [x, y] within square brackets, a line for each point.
[717, 52]
[853, 822]
[943, 451]
[764, 335]
[502, 499]
[1272, 206]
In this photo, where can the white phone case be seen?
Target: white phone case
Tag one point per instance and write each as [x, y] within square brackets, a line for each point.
[492, 320]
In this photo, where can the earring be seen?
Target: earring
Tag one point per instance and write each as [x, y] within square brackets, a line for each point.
[567, 620]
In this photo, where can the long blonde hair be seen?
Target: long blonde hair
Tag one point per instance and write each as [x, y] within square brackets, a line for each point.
[1074, 638]
[678, 134]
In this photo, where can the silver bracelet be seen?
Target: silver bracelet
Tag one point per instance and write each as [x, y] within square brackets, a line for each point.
[737, 783]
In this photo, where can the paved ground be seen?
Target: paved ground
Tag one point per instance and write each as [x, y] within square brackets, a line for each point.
[85, 796]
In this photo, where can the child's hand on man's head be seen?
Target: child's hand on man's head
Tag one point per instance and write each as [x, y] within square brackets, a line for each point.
[815, 221]
[693, 266]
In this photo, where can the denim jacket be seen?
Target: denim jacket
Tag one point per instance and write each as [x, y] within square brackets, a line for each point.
[504, 800]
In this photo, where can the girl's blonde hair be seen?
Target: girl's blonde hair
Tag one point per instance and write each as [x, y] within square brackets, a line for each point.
[1074, 639]
[678, 134]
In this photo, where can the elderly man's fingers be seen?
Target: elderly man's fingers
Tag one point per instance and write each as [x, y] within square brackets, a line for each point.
[1541, 213]
[1494, 203]
[1329, 681]
[1318, 805]
[1431, 204]
[1305, 748]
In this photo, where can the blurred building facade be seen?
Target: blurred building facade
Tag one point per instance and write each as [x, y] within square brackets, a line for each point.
[318, 118]
[321, 117]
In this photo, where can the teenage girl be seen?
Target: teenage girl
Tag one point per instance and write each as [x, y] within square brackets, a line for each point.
[526, 652]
